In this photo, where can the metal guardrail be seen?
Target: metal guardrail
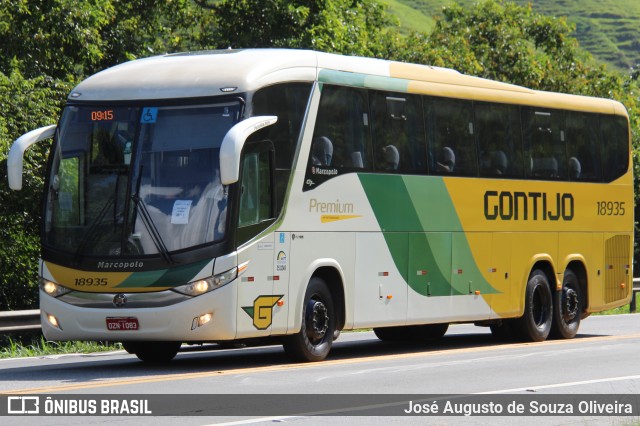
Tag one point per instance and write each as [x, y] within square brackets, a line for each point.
[636, 289]
[12, 321]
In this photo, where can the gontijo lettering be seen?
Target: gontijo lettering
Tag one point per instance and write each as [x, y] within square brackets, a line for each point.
[506, 205]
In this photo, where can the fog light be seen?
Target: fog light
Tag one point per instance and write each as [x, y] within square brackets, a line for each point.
[53, 321]
[201, 320]
[204, 319]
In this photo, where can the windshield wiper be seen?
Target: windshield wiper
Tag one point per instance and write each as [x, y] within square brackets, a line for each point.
[151, 228]
[92, 230]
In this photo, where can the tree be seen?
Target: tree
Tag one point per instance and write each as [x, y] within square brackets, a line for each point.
[357, 27]
[24, 105]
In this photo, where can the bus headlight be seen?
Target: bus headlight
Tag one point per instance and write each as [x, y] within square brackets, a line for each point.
[196, 288]
[53, 289]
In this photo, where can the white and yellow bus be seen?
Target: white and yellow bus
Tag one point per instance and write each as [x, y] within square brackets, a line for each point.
[282, 194]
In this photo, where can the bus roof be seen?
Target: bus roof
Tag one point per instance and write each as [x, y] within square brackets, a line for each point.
[212, 73]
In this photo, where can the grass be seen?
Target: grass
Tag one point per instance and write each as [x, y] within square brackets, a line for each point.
[29, 346]
[624, 309]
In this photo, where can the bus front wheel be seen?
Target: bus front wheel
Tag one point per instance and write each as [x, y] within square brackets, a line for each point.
[313, 341]
[535, 324]
[567, 308]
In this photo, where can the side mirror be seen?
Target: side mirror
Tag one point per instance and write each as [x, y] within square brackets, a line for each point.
[16, 153]
[233, 142]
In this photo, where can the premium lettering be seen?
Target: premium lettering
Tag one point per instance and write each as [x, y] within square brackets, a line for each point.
[316, 206]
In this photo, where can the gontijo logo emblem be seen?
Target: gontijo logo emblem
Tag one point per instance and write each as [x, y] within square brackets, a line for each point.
[262, 311]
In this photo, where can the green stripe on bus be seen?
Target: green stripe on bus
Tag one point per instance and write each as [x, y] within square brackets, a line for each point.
[362, 80]
[421, 209]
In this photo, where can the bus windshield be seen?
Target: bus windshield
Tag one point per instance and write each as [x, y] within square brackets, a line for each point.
[131, 181]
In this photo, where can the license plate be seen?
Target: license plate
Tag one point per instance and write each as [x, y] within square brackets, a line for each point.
[122, 323]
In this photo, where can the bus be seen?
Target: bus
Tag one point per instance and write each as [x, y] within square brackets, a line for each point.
[282, 195]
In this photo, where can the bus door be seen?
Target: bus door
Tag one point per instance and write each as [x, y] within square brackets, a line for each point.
[262, 256]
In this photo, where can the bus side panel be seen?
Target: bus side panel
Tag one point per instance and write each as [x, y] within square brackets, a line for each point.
[257, 303]
[595, 274]
[380, 286]
[527, 249]
[500, 273]
[315, 250]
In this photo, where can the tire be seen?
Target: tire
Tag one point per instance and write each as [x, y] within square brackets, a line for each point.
[535, 324]
[567, 308]
[411, 333]
[431, 331]
[502, 332]
[153, 352]
[313, 341]
[392, 334]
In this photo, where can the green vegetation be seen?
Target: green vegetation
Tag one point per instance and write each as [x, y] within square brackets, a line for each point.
[608, 29]
[37, 346]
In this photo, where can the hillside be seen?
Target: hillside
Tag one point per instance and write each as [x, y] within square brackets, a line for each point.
[608, 29]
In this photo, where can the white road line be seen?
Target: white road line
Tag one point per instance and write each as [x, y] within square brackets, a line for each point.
[524, 389]
[561, 385]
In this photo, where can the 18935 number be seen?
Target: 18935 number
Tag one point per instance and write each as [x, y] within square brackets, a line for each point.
[610, 208]
[91, 282]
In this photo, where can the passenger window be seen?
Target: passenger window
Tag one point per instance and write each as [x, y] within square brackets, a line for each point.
[341, 141]
[499, 136]
[583, 141]
[615, 147]
[450, 137]
[398, 133]
[544, 144]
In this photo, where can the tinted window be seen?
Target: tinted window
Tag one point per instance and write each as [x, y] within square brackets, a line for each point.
[289, 103]
[499, 136]
[398, 133]
[452, 147]
[615, 147]
[544, 145]
[582, 134]
[341, 136]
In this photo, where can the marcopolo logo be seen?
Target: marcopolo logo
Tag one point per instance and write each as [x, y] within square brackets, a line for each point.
[120, 265]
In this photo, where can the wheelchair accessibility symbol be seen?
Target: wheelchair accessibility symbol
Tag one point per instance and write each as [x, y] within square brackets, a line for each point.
[149, 115]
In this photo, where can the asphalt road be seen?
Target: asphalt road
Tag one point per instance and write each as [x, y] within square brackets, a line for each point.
[603, 359]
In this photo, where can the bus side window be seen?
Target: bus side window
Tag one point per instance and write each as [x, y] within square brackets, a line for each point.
[499, 136]
[615, 147]
[583, 140]
[343, 119]
[544, 144]
[398, 133]
[452, 147]
[288, 102]
[341, 142]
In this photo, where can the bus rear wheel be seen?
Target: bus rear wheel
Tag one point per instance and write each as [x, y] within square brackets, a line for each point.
[313, 341]
[567, 308]
[535, 324]
[153, 352]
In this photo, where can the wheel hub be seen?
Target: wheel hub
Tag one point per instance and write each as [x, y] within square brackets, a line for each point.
[570, 305]
[318, 320]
